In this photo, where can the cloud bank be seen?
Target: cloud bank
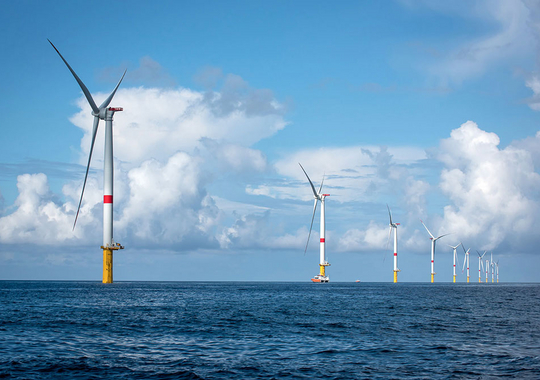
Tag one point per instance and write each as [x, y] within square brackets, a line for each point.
[493, 191]
[168, 145]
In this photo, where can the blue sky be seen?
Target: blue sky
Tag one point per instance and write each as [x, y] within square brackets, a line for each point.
[429, 107]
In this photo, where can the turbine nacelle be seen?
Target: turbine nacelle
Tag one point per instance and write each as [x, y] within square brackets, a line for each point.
[392, 224]
[103, 112]
[433, 238]
[481, 255]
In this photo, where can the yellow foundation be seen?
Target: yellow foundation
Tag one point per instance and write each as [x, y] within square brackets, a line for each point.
[322, 271]
[467, 279]
[479, 280]
[433, 277]
[395, 276]
[454, 278]
[107, 266]
[108, 262]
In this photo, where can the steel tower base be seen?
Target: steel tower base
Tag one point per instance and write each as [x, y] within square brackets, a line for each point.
[108, 262]
[395, 275]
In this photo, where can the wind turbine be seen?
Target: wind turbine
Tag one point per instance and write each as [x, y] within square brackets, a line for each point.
[455, 257]
[467, 252]
[103, 112]
[321, 277]
[480, 266]
[487, 270]
[497, 268]
[433, 240]
[393, 226]
[491, 266]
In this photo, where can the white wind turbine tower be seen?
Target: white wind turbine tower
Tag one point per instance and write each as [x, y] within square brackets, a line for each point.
[321, 277]
[466, 261]
[487, 270]
[433, 241]
[455, 258]
[480, 266]
[492, 264]
[103, 112]
[497, 269]
[393, 226]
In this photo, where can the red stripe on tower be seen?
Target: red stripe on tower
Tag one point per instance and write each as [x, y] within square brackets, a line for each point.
[107, 199]
[322, 240]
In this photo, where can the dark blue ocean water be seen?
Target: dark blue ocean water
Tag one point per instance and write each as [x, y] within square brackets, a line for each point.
[146, 330]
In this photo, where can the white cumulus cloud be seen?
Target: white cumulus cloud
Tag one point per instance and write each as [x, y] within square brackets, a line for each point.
[493, 191]
[38, 217]
[168, 145]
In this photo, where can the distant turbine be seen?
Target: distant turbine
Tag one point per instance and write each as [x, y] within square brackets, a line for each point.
[466, 260]
[103, 112]
[433, 240]
[492, 268]
[455, 258]
[321, 277]
[480, 266]
[487, 270]
[497, 268]
[393, 226]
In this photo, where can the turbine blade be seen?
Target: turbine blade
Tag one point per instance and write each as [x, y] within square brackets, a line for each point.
[387, 242]
[464, 262]
[438, 237]
[94, 133]
[320, 188]
[462, 246]
[108, 100]
[79, 81]
[389, 213]
[311, 183]
[430, 234]
[311, 226]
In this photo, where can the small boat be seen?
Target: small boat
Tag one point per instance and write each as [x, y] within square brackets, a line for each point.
[357, 281]
[320, 278]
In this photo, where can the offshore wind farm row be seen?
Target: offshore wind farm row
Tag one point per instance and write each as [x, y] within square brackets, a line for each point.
[106, 113]
[393, 227]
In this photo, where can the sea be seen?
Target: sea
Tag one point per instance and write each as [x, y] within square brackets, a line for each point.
[265, 330]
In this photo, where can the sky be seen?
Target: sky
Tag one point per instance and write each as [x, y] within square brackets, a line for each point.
[428, 106]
